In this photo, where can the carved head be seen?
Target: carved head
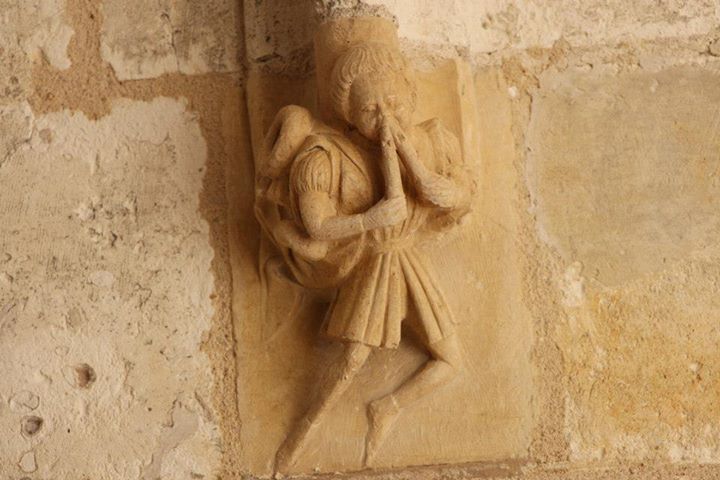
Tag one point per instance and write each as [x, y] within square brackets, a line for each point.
[371, 81]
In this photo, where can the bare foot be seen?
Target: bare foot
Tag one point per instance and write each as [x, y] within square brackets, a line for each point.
[382, 414]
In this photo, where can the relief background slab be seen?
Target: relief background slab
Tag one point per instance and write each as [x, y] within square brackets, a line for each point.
[486, 414]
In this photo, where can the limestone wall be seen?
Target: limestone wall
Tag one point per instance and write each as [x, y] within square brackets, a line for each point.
[116, 123]
[129, 278]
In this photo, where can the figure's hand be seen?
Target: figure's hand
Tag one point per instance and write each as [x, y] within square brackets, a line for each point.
[401, 141]
[434, 188]
[390, 162]
[439, 191]
[385, 213]
[407, 153]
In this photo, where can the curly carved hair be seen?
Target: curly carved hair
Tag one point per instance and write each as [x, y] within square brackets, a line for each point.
[362, 59]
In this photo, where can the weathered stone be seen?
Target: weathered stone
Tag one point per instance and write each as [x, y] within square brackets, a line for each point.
[147, 39]
[624, 175]
[27, 462]
[16, 127]
[24, 401]
[279, 35]
[492, 25]
[624, 169]
[128, 357]
[39, 27]
[476, 267]
[642, 368]
[585, 282]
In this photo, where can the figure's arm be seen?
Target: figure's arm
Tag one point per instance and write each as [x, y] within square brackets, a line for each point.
[390, 163]
[312, 180]
[287, 234]
[323, 222]
[444, 191]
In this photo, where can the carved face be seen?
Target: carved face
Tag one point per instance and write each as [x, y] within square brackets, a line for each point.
[374, 97]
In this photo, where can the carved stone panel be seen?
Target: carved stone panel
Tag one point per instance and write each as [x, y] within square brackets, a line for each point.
[378, 306]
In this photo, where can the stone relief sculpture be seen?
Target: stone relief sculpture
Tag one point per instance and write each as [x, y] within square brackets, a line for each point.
[345, 201]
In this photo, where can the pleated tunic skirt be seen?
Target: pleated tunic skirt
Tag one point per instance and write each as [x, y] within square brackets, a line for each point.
[372, 304]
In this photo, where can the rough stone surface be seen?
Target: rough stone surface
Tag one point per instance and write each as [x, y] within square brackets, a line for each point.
[627, 201]
[280, 352]
[493, 25]
[279, 35]
[105, 298]
[470, 27]
[626, 189]
[143, 39]
[16, 122]
[39, 28]
[33, 30]
[598, 132]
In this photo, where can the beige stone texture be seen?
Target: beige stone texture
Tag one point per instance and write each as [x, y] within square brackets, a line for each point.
[278, 350]
[132, 337]
[631, 201]
[142, 39]
[39, 28]
[279, 34]
[16, 125]
[494, 25]
[33, 30]
[88, 275]
[114, 348]
[633, 213]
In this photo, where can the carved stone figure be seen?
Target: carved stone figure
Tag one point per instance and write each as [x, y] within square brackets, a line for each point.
[345, 205]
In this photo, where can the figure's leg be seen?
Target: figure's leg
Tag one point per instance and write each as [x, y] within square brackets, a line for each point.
[338, 377]
[444, 364]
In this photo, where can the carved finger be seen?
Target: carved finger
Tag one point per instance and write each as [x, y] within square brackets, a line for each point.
[398, 132]
[386, 136]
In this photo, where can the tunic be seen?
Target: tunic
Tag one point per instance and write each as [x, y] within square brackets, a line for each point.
[390, 281]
